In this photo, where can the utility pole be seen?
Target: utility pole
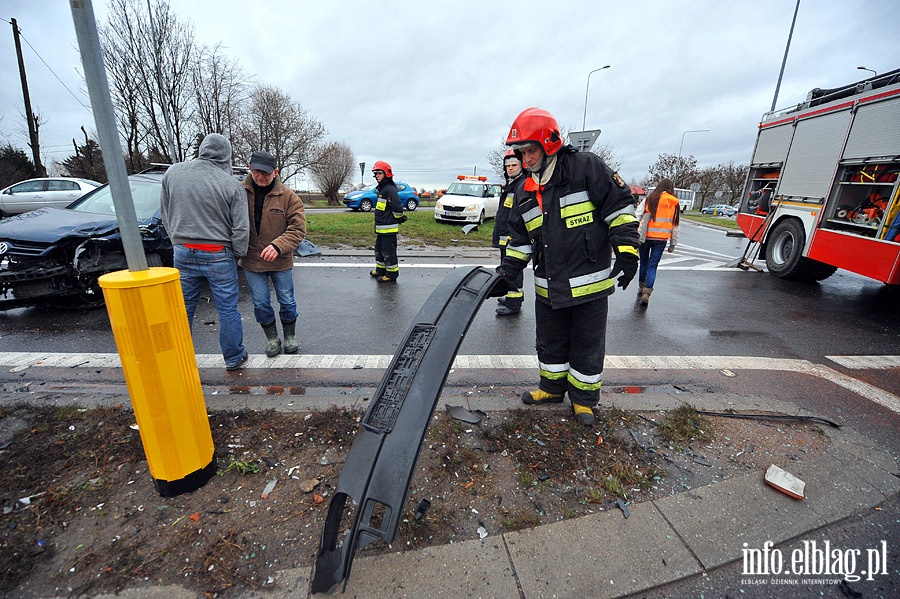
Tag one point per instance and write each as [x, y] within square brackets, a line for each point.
[32, 124]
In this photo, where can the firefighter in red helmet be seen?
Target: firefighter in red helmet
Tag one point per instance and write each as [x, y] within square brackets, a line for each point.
[388, 217]
[571, 212]
[511, 303]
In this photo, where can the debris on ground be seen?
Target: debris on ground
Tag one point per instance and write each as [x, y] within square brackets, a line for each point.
[94, 523]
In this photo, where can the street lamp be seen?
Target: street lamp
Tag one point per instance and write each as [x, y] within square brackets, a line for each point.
[678, 162]
[586, 88]
[865, 69]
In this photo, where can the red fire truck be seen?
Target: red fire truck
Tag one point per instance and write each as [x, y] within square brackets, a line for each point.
[823, 187]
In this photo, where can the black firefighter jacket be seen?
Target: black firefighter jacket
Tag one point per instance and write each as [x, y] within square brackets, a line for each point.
[585, 210]
[388, 209]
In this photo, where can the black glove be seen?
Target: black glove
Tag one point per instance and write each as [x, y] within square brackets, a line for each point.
[403, 219]
[503, 285]
[627, 264]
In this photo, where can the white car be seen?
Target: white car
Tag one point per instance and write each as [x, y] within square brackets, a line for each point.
[469, 199]
[55, 192]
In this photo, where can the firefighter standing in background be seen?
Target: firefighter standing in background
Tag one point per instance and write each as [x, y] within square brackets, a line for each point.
[569, 210]
[511, 303]
[388, 216]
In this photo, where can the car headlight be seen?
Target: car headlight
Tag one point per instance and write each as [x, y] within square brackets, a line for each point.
[438, 205]
[471, 208]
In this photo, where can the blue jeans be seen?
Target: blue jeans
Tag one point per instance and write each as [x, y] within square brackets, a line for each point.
[651, 252]
[219, 270]
[283, 281]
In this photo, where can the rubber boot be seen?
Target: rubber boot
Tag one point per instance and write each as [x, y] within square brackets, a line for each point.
[645, 296]
[273, 343]
[540, 397]
[290, 342]
[583, 414]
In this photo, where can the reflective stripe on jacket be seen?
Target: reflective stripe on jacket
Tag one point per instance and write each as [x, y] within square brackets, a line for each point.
[584, 210]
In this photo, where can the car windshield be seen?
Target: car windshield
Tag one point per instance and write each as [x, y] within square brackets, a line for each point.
[144, 193]
[466, 189]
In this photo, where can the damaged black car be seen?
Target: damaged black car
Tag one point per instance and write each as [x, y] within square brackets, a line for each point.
[56, 255]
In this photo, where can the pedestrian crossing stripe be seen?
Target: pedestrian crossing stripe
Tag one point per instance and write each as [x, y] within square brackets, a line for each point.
[18, 361]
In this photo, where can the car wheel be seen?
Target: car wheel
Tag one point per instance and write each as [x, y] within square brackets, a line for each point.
[154, 260]
[481, 218]
[365, 205]
[411, 204]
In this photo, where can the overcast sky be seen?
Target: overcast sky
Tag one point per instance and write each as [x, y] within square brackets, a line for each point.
[432, 87]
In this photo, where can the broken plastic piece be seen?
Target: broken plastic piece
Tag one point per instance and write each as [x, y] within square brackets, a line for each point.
[469, 228]
[460, 413]
[482, 532]
[623, 507]
[423, 507]
[785, 482]
[307, 248]
[268, 489]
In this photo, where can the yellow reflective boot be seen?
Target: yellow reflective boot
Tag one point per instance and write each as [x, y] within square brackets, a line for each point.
[540, 397]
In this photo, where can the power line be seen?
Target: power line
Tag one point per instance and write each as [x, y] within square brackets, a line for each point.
[77, 99]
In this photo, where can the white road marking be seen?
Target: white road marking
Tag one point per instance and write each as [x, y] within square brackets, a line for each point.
[866, 361]
[16, 360]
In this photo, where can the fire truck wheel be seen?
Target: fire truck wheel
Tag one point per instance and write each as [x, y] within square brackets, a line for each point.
[785, 248]
[784, 254]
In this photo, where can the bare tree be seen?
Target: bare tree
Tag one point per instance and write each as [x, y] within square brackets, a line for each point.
[605, 152]
[332, 170]
[733, 178]
[277, 124]
[681, 169]
[710, 180]
[149, 55]
[87, 161]
[220, 89]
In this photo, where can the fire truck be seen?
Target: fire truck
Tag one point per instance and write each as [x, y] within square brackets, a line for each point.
[822, 191]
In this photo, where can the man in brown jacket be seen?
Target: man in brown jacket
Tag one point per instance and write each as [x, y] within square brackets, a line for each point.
[277, 226]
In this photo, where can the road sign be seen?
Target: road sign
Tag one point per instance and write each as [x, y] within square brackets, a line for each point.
[584, 140]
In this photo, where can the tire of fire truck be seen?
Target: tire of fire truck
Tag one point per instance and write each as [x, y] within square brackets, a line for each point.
[784, 254]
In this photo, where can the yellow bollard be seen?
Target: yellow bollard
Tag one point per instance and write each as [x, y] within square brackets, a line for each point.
[149, 321]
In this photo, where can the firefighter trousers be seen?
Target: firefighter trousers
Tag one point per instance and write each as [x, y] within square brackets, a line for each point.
[386, 262]
[571, 345]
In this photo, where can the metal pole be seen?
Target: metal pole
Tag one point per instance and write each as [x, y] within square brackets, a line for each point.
[105, 119]
[586, 88]
[784, 60]
[678, 162]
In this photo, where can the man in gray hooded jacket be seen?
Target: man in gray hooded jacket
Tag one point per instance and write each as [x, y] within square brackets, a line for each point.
[205, 213]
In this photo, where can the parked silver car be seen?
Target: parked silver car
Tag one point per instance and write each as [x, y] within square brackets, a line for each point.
[54, 192]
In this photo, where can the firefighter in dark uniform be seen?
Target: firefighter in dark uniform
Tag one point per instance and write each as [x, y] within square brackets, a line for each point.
[511, 303]
[388, 217]
[571, 212]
